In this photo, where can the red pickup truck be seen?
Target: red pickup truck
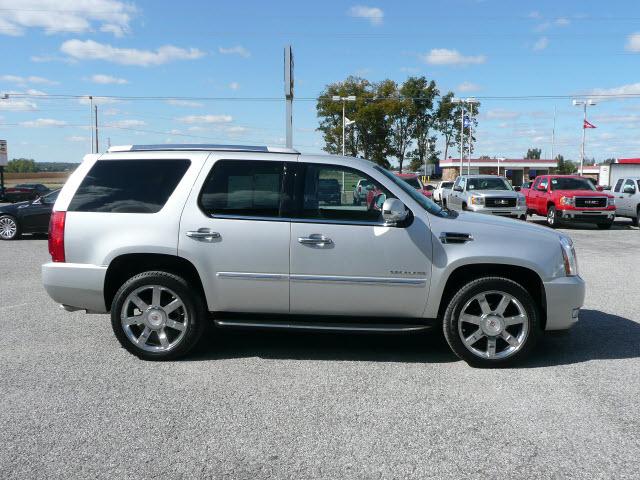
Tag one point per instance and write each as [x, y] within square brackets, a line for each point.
[569, 198]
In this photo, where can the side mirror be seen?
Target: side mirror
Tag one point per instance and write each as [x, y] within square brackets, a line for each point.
[37, 201]
[393, 212]
[517, 189]
[541, 188]
[599, 188]
[629, 189]
[457, 188]
[606, 187]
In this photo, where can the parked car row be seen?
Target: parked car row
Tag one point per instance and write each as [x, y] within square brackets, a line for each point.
[559, 198]
[24, 192]
[26, 217]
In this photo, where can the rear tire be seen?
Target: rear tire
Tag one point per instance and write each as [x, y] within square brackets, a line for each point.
[492, 322]
[9, 228]
[636, 221]
[158, 316]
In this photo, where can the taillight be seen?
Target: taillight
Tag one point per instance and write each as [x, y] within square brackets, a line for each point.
[56, 236]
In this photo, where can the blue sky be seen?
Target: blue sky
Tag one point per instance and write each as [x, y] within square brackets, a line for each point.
[233, 51]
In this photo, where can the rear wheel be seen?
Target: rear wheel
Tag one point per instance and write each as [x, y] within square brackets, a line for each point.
[9, 228]
[491, 322]
[158, 316]
[636, 221]
[552, 217]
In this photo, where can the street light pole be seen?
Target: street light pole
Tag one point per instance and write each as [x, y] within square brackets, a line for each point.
[471, 102]
[344, 100]
[460, 101]
[584, 104]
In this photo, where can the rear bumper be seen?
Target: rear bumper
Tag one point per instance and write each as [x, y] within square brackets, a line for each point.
[565, 296]
[588, 216]
[75, 285]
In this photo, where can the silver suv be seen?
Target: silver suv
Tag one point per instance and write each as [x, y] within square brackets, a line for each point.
[487, 194]
[173, 239]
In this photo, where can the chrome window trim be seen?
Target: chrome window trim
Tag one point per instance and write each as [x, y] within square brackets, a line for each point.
[299, 220]
[413, 282]
[253, 276]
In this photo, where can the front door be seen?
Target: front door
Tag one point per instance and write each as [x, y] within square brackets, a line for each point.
[344, 261]
[625, 204]
[232, 230]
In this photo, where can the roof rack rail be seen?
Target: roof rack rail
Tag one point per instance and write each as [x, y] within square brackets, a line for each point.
[200, 146]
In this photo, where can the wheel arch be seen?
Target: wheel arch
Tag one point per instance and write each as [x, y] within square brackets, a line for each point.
[125, 266]
[529, 279]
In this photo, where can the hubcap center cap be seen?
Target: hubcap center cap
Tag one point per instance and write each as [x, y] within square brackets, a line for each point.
[492, 325]
[156, 318]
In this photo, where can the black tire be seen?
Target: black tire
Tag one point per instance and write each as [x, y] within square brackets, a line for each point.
[523, 218]
[636, 221]
[605, 225]
[194, 307]
[357, 201]
[451, 321]
[5, 221]
[552, 217]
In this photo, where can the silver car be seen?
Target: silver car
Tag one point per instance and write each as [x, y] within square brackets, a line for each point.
[487, 194]
[171, 239]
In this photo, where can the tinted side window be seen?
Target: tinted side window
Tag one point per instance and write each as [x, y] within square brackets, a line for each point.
[325, 192]
[128, 186]
[629, 183]
[249, 188]
[618, 185]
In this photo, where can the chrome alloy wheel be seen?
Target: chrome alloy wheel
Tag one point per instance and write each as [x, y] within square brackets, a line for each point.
[493, 325]
[154, 318]
[8, 228]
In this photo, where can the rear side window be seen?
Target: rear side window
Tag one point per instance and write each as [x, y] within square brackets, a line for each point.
[250, 188]
[128, 186]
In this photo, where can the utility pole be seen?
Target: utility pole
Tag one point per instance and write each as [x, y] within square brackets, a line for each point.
[345, 121]
[96, 119]
[288, 93]
[91, 120]
[470, 102]
[553, 134]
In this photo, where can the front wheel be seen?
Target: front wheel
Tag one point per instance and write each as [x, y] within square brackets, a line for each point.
[552, 217]
[606, 225]
[491, 322]
[636, 221]
[158, 316]
[9, 228]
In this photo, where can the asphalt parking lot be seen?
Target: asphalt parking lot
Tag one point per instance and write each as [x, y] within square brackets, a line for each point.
[75, 404]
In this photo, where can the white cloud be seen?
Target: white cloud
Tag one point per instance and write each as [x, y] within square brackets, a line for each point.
[234, 85]
[43, 122]
[110, 112]
[91, 50]
[206, 119]
[98, 100]
[541, 44]
[236, 50]
[19, 104]
[535, 14]
[562, 22]
[621, 91]
[633, 42]
[236, 130]
[409, 69]
[502, 115]
[27, 80]
[108, 79]
[65, 16]
[373, 14]
[445, 56]
[126, 123]
[468, 87]
[183, 103]
[613, 118]
[77, 138]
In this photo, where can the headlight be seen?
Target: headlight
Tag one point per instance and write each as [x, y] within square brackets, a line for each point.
[611, 201]
[567, 200]
[569, 257]
[477, 200]
[521, 201]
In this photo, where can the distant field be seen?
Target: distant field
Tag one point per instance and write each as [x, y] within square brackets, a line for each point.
[50, 179]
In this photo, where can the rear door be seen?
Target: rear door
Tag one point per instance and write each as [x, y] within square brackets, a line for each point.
[344, 261]
[627, 193]
[233, 230]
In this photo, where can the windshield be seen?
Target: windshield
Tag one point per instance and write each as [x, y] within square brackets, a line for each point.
[423, 201]
[413, 181]
[571, 183]
[489, 183]
[446, 185]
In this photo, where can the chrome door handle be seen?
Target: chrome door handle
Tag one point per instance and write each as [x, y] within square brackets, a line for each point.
[203, 234]
[315, 239]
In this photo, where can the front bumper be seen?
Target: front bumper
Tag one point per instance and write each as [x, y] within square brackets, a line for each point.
[501, 211]
[565, 296]
[588, 216]
[75, 285]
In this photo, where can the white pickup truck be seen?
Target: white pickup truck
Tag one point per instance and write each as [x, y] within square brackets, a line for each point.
[627, 195]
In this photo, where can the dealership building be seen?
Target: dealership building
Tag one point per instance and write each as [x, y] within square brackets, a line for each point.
[517, 170]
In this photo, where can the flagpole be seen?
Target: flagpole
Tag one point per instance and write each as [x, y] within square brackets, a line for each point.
[553, 134]
[583, 135]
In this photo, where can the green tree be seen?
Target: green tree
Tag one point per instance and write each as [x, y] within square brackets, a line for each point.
[565, 167]
[423, 116]
[533, 154]
[433, 156]
[402, 122]
[21, 165]
[446, 121]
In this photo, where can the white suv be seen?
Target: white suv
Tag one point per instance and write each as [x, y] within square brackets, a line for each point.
[170, 239]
